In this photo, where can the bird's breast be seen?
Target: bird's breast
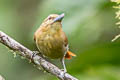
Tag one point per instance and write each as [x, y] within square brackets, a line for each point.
[51, 46]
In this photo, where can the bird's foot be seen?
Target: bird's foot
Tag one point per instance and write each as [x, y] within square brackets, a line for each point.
[35, 53]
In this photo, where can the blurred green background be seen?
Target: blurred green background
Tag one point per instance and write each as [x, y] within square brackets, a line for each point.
[89, 25]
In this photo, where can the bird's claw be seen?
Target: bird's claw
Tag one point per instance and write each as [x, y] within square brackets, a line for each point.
[35, 53]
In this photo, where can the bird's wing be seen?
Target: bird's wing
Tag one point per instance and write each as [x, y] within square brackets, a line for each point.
[38, 32]
[65, 39]
[69, 54]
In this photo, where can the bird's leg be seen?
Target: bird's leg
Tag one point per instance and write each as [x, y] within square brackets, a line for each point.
[63, 64]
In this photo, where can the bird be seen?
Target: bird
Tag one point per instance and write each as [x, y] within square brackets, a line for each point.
[51, 40]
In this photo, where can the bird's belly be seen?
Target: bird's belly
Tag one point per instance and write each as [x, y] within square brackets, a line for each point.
[52, 48]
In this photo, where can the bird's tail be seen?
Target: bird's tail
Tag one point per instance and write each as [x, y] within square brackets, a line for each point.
[69, 55]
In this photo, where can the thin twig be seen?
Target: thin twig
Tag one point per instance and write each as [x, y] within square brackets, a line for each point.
[36, 59]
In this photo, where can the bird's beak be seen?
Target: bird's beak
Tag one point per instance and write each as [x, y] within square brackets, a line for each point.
[59, 18]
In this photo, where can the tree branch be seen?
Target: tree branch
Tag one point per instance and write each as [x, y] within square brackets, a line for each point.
[36, 59]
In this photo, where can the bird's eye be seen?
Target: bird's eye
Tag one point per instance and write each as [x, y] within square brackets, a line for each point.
[49, 18]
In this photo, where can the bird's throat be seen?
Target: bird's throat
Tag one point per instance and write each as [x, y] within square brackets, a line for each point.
[56, 26]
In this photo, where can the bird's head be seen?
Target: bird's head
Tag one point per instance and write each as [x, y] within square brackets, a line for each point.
[53, 20]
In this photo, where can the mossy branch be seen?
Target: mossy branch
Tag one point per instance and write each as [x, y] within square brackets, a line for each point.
[36, 59]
